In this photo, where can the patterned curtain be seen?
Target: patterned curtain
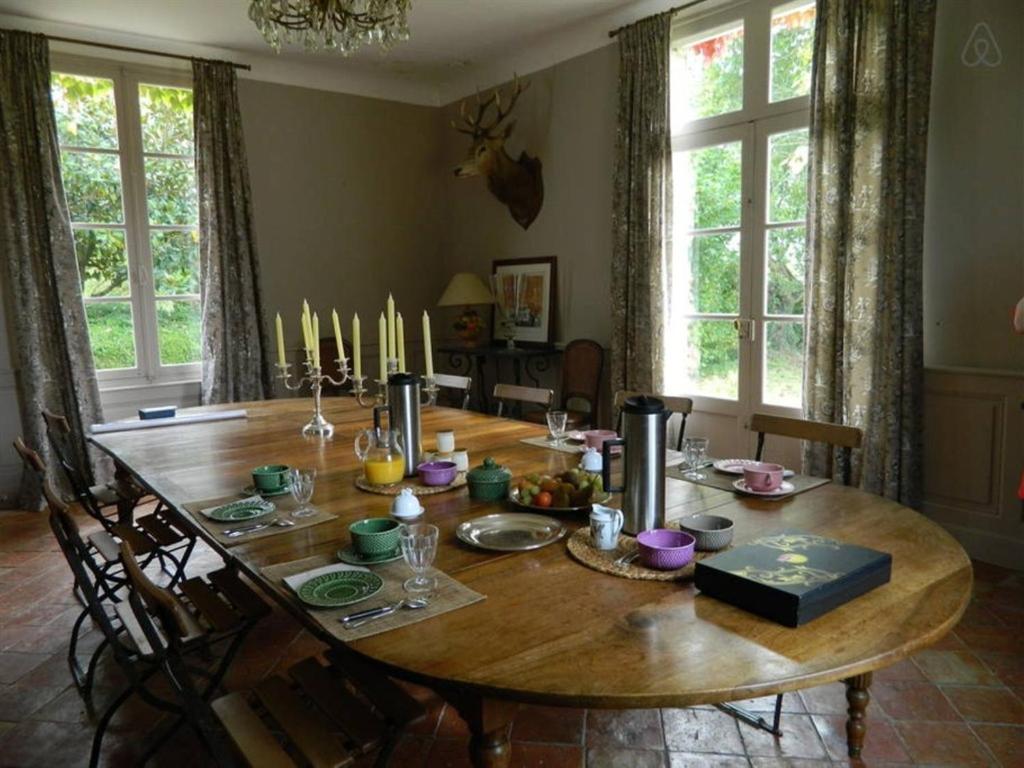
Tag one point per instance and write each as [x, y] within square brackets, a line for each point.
[234, 338]
[51, 350]
[869, 129]
[642, 207]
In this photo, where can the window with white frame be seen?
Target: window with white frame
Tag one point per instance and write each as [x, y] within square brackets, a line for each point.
[740, 79]
[127, 165]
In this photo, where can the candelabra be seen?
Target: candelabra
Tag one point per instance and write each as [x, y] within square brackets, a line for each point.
[318, 426]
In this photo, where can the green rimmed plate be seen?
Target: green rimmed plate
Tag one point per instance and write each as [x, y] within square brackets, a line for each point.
[338, 588]
[348, 554]
[240, 511]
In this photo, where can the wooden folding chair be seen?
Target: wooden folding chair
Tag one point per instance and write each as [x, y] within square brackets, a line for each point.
[459, 384]
[681, 405]
[325, 715]
[511, 393]
[836, 435]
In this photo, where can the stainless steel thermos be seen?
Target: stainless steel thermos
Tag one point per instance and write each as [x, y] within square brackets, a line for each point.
[404, 402]
[643, 463]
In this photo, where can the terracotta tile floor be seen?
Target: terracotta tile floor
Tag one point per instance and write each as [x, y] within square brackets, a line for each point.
[960, 703]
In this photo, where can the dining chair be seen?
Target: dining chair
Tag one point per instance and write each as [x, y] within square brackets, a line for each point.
[458, 384]
[191, 634]
[328, 356]
[836, 435]
[158, 534]
[681, 405]
[512, 393]
[582, 363]
[326, 714]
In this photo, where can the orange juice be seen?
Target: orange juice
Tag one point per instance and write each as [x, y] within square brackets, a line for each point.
[384, 471]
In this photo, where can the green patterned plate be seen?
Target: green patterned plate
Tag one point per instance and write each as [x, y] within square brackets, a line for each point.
[338, 588]
[240, 511]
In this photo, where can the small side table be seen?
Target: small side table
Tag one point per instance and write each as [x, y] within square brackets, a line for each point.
[470, 361]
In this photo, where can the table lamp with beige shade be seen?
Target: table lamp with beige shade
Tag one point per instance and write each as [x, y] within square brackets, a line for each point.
[467, 290]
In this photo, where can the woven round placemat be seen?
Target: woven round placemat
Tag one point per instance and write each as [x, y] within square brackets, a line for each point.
[584, 551]
[413, 483]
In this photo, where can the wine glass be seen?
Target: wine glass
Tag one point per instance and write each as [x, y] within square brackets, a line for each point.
[419, 546]
[302, 482]
[556, 425]
[696, 450]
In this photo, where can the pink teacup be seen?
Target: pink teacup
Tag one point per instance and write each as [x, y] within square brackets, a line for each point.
[594, 438]
[763, 476]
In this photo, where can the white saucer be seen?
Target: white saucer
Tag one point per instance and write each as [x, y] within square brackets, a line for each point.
[782, 490]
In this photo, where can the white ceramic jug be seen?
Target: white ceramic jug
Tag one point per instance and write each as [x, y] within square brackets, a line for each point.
[605, 525]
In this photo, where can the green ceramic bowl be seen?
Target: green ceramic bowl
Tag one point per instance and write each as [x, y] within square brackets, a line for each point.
[270, 477]
[375, 535]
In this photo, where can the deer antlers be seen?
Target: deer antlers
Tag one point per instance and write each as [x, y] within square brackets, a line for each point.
[474, 125]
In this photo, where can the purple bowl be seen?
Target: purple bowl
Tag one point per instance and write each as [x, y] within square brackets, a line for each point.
[437, 472]
[665, 550]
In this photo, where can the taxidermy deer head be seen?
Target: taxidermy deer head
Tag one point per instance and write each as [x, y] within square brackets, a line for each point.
[516, 183]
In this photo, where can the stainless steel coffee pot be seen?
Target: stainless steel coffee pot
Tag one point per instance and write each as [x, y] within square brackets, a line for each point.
[643, 463]
[404, 402]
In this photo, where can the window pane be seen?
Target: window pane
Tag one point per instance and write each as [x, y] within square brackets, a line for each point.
[784, 366]
[92, 186]
[171, 191]
[178, 331]
[102, 262]
[707, 187]
[84, 110]
[166, 119]
[711, 265]
[787, 182]
[792, 50]
[175, 262]
[707, 75]
[111, 334]
[711, 351]
[786, 268]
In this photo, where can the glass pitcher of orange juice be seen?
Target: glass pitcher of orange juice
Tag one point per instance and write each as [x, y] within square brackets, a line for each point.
[382, 457]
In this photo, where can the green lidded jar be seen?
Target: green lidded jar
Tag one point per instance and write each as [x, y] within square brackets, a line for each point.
[489, 481]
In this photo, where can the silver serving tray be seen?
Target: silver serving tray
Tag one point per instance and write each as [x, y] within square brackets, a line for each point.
[510, 531]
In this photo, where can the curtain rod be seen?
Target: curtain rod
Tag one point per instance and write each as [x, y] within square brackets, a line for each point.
[129, 49]
[615, 32]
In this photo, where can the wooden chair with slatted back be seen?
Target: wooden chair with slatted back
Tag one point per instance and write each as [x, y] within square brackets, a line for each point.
[206, 618]
[582, 363]
[328, 714]
[836, 435]
[681, 405]
[512, 393]
[460, 386]
[158, 535]
[328, 356]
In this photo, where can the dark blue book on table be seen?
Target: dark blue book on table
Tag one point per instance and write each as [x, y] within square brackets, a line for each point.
[792, 576]
[158, 412]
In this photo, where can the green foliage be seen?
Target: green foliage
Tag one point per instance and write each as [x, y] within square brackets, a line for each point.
[166, 119]
[111, 334]
[178, 331]
[175, 262]
[84, 109]
[792, 52]
[92, 186]
[102, 262]
[171, 191]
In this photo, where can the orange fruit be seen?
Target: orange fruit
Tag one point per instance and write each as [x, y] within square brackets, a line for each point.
[543, 499]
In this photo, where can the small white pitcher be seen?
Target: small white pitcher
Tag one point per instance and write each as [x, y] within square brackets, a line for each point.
[605, 525]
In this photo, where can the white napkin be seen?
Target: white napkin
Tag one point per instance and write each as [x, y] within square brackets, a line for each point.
[296, 581]
[254, 498]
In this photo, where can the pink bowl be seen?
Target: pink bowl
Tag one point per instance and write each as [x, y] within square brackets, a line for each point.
[594, 438]
[437, 472]
[665, 550]
[763, 476]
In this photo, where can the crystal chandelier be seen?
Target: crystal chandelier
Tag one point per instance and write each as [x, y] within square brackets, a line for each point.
[343, 25]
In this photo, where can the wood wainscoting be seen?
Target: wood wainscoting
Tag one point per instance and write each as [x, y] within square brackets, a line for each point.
[973, 459]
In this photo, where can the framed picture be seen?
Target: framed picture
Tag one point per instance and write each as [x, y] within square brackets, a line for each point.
[524, 290]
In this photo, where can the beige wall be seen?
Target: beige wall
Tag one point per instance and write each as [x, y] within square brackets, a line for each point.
[974, 236]
[347, 205]
[567, 118]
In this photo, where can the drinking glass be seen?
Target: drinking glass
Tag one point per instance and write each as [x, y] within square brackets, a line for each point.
[696, 450]
[556, 425]
[302, 482]
[419, 546]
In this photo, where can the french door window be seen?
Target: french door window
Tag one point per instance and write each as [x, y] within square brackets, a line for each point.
[735, 325]
[127, 165]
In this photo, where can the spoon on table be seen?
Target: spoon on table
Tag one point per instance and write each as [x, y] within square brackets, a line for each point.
[359, 618]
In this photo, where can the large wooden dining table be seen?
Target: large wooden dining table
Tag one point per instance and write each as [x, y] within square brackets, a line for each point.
[551, 631]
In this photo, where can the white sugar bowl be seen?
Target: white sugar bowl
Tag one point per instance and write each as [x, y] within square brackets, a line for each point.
[406, 506]
[591, 461]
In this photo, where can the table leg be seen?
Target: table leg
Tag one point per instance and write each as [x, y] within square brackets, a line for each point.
[857, 697]
[489, 721]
